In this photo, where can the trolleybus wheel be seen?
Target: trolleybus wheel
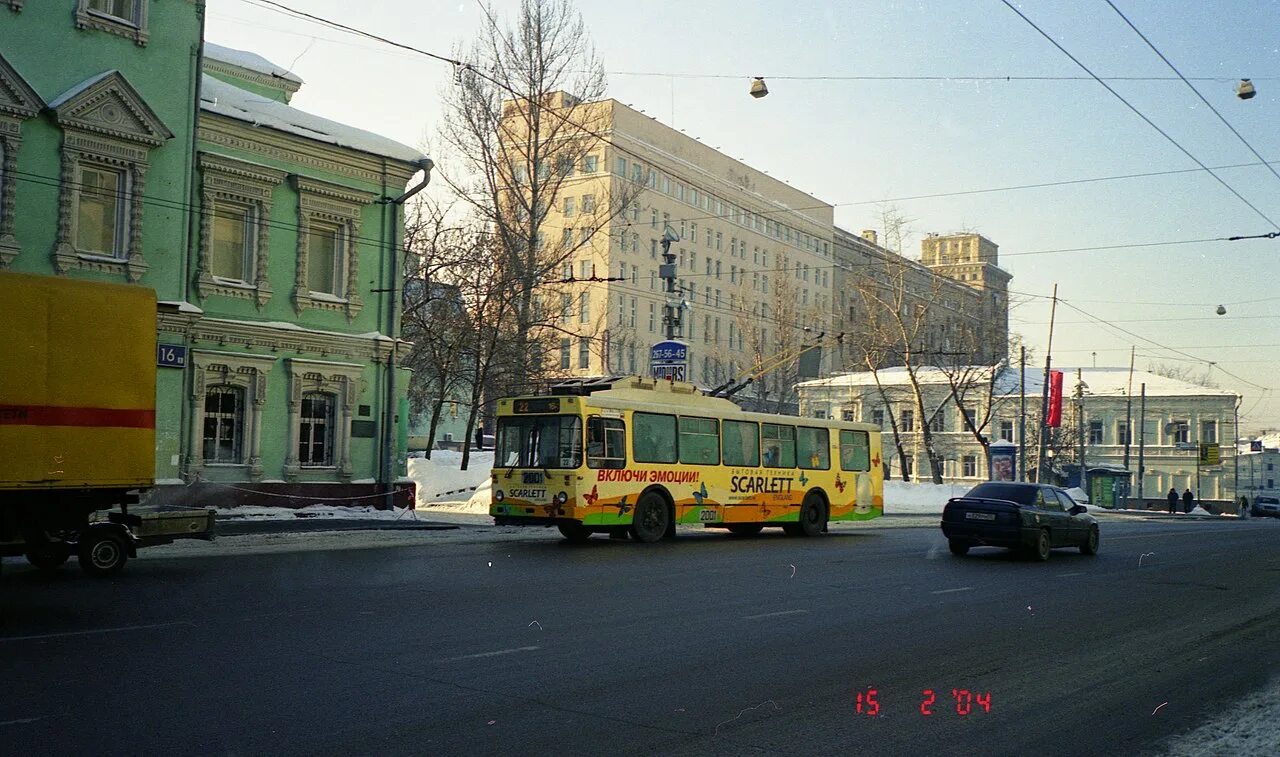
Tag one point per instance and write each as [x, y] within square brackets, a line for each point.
[746, 529]
[651, 518]
[813, 515]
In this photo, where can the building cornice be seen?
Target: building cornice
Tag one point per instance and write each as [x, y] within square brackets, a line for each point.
[266, 336]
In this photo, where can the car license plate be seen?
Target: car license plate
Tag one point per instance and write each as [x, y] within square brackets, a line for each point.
[980, 516]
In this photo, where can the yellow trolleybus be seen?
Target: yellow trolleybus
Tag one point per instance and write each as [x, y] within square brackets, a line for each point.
[637, 456]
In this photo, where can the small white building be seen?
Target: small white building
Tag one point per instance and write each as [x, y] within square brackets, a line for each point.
[1178, 417]
[1259, 464]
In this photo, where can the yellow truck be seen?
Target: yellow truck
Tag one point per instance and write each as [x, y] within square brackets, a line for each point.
[77, 422]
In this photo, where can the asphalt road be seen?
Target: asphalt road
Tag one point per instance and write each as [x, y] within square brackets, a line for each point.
[708, 644]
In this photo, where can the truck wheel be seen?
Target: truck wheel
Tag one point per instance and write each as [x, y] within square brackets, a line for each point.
[103, 553]
[49, 556]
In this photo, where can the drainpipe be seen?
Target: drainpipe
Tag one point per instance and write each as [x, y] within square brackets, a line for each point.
[393, 291]
[192, 235]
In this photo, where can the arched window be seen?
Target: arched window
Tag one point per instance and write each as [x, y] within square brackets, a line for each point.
[315, 438]
[224, 425]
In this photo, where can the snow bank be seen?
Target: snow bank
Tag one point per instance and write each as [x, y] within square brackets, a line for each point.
[311, 512]
[1078, 495]
[441, 479]
[927, 498]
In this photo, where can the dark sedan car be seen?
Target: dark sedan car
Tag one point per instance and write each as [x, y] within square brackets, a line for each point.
[1030, 518]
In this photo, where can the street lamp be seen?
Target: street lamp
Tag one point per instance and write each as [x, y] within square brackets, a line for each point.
[759, 90]
[1245, 90]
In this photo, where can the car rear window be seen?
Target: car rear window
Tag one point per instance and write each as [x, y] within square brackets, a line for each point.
[1020, 493]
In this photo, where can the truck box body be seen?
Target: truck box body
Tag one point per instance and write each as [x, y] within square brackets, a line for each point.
[77, 384]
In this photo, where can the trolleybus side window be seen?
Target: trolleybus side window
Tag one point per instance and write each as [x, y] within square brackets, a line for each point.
[653, 438]
[779, 445]
[855, 451]
[699, 441]
[741, 443]
[813, 448]
[606, 443]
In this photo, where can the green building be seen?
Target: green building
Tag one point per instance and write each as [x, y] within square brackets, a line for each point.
[97, 122]
[269, 234]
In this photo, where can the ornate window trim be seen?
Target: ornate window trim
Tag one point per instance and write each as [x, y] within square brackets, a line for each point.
[343, 380]
[18, 102]
[242, 370]
[134, 29]
[105, 122]
[329, 203]
[229, 180]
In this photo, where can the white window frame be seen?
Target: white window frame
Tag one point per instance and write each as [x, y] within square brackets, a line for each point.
[322, 202]
[23, 103]
[134, 27]
[246, 372]
[229, 181]
[343, 381]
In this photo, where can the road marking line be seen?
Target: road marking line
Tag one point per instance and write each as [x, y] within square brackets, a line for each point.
[96, 630]
[1069, 575]
[20, 721]
[490, 654]
[776, 614]
[949, 591]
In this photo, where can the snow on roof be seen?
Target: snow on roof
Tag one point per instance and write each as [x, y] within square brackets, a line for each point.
[248, 61]
[217, 96]
[1099, 382]
[77, 89]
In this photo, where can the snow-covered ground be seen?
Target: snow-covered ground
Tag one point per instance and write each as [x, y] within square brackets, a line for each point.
[1250, 727]
[441, 479]
[311, 512]
[919, 498]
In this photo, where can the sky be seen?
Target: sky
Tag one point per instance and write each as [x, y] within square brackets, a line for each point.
[860, 143]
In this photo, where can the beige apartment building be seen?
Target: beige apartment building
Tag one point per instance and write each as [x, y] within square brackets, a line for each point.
[754, 258]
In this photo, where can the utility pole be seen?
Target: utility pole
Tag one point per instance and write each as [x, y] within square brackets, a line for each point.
[1084, 476]
[1128, 411]
[1142, 441]
[1022, 414]
[1044, 400]
[1235, 457]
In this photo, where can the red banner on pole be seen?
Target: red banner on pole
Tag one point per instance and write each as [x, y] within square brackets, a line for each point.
[1055, 400]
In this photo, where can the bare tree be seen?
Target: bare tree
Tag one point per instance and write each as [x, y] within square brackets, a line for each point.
[1185, 373]
[518, 126]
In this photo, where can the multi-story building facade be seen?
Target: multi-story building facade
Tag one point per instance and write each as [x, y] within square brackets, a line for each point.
[754, 256]
[955, 300]
[1259, 464]
[1178, 417]
[268, 234]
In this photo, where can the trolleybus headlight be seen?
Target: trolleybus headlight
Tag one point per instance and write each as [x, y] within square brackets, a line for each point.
[498, 496]
[562, 498]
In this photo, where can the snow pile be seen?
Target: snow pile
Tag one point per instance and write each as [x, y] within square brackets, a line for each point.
[1078, 495]
[311, 512]
[1198, 510]
[441, 479]
[925, 498]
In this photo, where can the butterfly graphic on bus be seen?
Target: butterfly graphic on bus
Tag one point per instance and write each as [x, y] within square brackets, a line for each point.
[840, 485]
[591, 498]
[700, 494]
[623, 507]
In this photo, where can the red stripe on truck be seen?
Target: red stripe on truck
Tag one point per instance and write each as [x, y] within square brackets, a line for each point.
[53, 415]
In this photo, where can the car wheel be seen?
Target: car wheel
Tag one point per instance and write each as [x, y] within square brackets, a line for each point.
[574, 532]
[958, 548]
[813, 515]
[746, 529]
[1090, 546]
[102, 552]
[1041, 552]
[651, 518]
[49, 556]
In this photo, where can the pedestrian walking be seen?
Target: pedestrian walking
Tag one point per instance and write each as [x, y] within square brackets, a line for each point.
[1188, 500]
[1173, 500]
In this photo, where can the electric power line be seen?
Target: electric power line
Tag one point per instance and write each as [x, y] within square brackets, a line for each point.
[1140, 114]
[1191, 86]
